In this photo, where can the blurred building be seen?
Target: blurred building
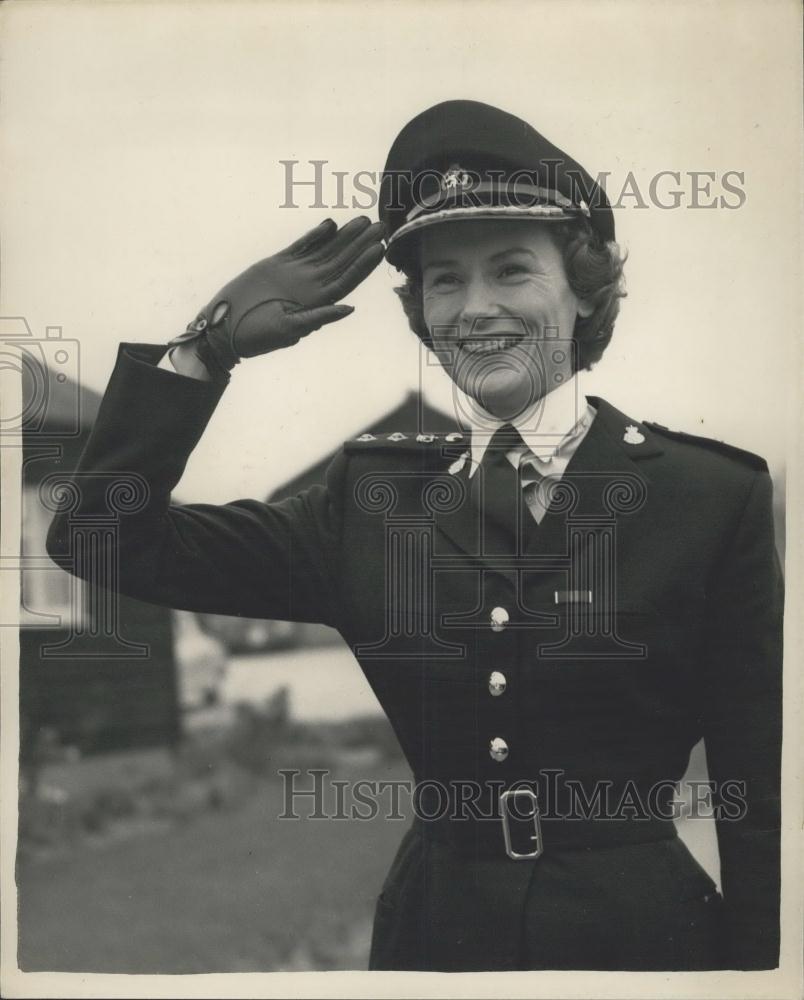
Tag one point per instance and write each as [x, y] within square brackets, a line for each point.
[97, 671]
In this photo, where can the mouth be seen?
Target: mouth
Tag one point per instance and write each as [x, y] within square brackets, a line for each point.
[490, 345]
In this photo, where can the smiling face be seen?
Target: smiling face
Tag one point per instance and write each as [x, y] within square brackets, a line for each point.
[499, 310]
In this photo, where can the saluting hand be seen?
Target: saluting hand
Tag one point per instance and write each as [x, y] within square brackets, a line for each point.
[279, 300]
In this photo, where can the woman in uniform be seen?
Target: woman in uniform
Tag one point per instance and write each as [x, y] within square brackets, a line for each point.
[553, 603]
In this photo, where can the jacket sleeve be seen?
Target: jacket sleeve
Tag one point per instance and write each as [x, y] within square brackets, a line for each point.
[742, 728]
[262, 560]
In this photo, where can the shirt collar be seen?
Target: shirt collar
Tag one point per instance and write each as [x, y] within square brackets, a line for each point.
[543, 426]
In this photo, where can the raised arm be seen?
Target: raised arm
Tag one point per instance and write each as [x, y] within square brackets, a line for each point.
[243, 558]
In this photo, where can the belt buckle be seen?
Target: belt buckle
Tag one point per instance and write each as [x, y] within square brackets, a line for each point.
[505, 798]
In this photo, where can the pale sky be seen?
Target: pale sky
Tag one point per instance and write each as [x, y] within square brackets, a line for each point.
[142, 148]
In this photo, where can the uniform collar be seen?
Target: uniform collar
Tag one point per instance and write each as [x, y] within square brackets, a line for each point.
[543, 427]
[610, 455]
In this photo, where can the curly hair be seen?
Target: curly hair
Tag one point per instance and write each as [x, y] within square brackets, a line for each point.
[594, 271]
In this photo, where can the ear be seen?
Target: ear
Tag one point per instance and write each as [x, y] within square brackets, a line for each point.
[585, 308]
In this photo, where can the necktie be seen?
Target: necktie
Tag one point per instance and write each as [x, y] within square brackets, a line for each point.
[495, 491]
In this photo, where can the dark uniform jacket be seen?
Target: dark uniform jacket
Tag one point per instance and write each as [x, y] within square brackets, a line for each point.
[640, 615]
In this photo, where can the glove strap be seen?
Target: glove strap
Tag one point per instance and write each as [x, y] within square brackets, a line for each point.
[212, 339]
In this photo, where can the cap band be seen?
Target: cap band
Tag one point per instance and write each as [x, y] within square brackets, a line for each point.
[550, 204]
[543, 212]
[517, 192]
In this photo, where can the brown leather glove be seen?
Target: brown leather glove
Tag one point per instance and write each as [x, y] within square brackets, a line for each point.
[279, 300]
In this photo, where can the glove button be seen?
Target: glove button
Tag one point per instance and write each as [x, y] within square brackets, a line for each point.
[219, 313]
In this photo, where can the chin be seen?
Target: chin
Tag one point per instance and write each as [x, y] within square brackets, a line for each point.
[504, 398]
[503, 384]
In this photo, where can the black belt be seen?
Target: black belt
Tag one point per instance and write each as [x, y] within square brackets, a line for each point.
[521, 834]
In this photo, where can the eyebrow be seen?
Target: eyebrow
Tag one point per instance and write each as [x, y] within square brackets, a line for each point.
[440, 263]
[510, 250]
[494, 257]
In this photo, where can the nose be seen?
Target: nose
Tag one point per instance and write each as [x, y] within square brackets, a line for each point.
[478, 304]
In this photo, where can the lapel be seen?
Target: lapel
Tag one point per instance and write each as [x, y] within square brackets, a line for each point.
[613, 442]
[612, 452]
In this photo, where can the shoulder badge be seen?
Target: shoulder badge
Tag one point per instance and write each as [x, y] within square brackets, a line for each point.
[396, 441]
[739, 454]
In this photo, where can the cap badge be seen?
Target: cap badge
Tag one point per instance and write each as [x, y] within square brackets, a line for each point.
[426, 438]
[633, 435]
[458, 464]
[456, 177]
[366, 437]
[397, 437]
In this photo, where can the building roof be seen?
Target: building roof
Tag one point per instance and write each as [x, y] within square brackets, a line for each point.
[413, 413]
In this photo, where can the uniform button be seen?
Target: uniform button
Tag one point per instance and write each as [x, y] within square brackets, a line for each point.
[498, 749]
[499, 619]
[497, 682]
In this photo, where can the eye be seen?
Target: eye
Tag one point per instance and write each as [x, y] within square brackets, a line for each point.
[512, 270]
[444, 280]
